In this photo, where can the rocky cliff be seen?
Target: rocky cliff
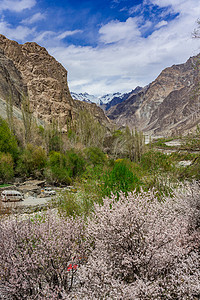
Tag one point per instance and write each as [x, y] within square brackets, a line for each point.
[29, 69]
[169, 105]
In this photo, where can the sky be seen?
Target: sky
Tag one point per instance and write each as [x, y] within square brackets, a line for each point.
[106, 46]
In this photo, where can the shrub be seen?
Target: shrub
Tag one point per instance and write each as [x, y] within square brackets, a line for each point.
[6, 167]
[139, 248]
[39, 257]
[134, 248]
[75, 162]
[8, 143]
[31, 160]
[57, 171]
[95, 156]
[121, 178]
[155, 160]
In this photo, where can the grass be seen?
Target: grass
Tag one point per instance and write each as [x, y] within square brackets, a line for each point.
[5, 185]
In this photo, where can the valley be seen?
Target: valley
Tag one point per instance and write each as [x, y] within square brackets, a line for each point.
[121, 173]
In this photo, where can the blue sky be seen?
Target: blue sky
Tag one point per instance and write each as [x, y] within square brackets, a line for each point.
[106, 46]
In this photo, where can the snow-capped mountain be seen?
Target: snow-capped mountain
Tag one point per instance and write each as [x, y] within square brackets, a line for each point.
[105, 101]
[85, 97]
[98, 100]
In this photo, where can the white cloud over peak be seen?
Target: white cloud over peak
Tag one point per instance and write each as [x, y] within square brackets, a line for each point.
[15, 33]
[16, 5]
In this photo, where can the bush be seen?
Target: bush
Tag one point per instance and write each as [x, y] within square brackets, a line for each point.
[139, 248]
[39, 257]
[95, 156]
[121, 178]
[6, 167]
[75, 163]
[32, 160]
[155, 160]
[8, 143]
[57, 172]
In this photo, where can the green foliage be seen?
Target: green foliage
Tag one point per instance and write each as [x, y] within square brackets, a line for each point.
[134, 144]
[8, 141]
[27, 117]
[87, 130]
[57, 171]
[6, 167]
[155, 160]
[63, 167]
[161, 142]
[121, 178]
[192, 171]
[126, 144]
[52, 136]
[184, 155]
[117, 133]
[95, 156]
[31, 161]
[69, 205]
[191, 142]
[75, 163]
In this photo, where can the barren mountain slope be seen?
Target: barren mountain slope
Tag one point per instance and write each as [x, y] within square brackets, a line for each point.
[167, 105]
[46, 82]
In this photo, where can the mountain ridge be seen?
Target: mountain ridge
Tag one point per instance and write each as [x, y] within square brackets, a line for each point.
[152, 109]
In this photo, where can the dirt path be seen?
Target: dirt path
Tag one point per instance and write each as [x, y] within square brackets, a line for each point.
[29, 201]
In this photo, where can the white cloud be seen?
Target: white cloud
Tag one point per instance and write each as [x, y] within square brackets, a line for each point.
[50, 37]
[161, 24]
[44, 36]
[35, 18]
[67, 33]
[128, 62]
[20, 33]
[135, 9]
[16, 5]
[116, 31]
[125, 57]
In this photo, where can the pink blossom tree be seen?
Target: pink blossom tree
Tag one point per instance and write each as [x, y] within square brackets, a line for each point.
[36, 255]
[139, 248]
[132, 248]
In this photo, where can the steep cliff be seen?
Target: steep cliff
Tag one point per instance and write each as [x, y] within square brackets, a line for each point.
[43, 79]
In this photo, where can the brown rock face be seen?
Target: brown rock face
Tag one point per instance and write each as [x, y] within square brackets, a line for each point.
[11, 82]
[45, 80]
[169, 105]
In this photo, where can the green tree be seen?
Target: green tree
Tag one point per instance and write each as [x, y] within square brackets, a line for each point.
[134, 144]
[52, 136]
[6, 167]
[9, 111]
[89, 131]
[32, 161]
[8, 143]
[56, 171]
[27, 117]
[75, 163]
[95, 156]
[121, 178]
